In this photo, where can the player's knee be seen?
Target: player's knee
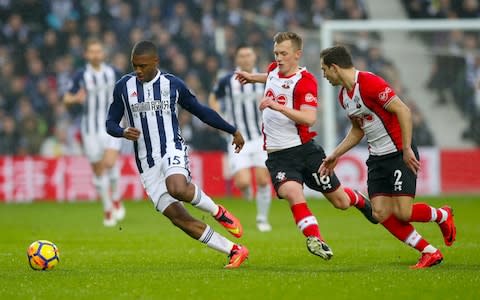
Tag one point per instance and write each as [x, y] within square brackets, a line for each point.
[178, 191]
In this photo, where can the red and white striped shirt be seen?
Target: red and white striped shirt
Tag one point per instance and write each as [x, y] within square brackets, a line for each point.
[366, 104]
[295, 91]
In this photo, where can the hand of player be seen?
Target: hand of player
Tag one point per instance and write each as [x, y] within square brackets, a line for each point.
[269, 102]
[327, 166]
[238, 141]
[243, 77]
[411, 161]
[81, 95]
[131, 133]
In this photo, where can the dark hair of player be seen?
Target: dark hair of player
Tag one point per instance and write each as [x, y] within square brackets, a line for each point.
[144, 47]
[338, 55]
[242, 46]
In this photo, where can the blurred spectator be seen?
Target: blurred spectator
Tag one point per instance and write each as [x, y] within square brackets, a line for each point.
[8, 136]
[41, 45]
[61, 143]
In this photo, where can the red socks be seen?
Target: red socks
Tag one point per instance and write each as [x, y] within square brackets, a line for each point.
[422, 212]
[305, 221]
[356, 199]
[405, 232]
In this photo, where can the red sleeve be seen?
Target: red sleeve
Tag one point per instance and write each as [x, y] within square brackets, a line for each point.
[306, 91]
[271, 66]
[376, 88]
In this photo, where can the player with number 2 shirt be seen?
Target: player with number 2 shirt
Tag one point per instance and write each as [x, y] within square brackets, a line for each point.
[289, 109]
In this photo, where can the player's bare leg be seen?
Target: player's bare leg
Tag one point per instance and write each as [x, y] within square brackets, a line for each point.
[292, 191]
[344, 198]
[198, 230]
[263, 198]
[110, 158]
[180, 189]
[392, 212]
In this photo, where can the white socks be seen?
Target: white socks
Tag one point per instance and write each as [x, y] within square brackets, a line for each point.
[216, 241]
[114, 177]
[102, 185]
[264, 198]
[203, 202]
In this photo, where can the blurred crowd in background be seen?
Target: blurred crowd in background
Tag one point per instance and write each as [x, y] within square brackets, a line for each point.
[455, 76]
[41, 45]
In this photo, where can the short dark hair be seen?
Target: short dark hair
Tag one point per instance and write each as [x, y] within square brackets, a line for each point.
[289, 36]
[144, 47]
[338, 55]
[242, 46]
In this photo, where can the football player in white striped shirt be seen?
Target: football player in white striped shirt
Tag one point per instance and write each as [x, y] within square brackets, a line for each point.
[92, 86]
[148, 98]
[239, 105]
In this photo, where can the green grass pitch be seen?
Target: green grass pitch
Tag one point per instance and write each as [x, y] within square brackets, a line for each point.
[145, 257]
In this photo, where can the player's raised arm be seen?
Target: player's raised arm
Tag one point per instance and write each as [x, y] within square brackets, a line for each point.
[352, 139]
[209, 116]
[246, 77]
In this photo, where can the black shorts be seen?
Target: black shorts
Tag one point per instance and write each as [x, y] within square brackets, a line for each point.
[301, 164]
[388, 175]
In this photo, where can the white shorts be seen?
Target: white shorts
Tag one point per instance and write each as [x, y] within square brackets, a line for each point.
[153, 179]
[94, 145]
[251, 155]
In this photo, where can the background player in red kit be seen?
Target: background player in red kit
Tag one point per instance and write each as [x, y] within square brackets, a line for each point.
[378, 113]
[289, 109]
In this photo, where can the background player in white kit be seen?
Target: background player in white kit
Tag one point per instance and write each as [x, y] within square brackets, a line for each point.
[289, 109]
[148, 98]
[92, 87]
[238, 104]
[376, 112]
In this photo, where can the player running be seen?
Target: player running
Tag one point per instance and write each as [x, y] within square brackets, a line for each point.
[92, 87]
[239, 105]
[376, 112]
[289, 109]
[148, 98]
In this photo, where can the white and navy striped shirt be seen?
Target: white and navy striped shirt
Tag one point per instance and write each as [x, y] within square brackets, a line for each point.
[152, 108]
[239, 104]
[98, 85]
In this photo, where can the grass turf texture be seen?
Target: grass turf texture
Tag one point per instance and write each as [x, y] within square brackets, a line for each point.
[145, 257]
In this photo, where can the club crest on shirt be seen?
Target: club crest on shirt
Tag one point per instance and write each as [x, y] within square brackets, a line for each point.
[286, 84]
[357, 101]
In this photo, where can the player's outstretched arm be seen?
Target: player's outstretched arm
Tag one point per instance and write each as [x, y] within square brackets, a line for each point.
[353, 137]
[246, 77]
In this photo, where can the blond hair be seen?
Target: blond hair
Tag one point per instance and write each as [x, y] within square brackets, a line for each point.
[297, 41]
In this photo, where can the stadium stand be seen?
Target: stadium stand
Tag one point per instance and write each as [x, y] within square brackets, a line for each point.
[41, 45]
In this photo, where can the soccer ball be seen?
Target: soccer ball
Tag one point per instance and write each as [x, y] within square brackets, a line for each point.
[43, 255]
